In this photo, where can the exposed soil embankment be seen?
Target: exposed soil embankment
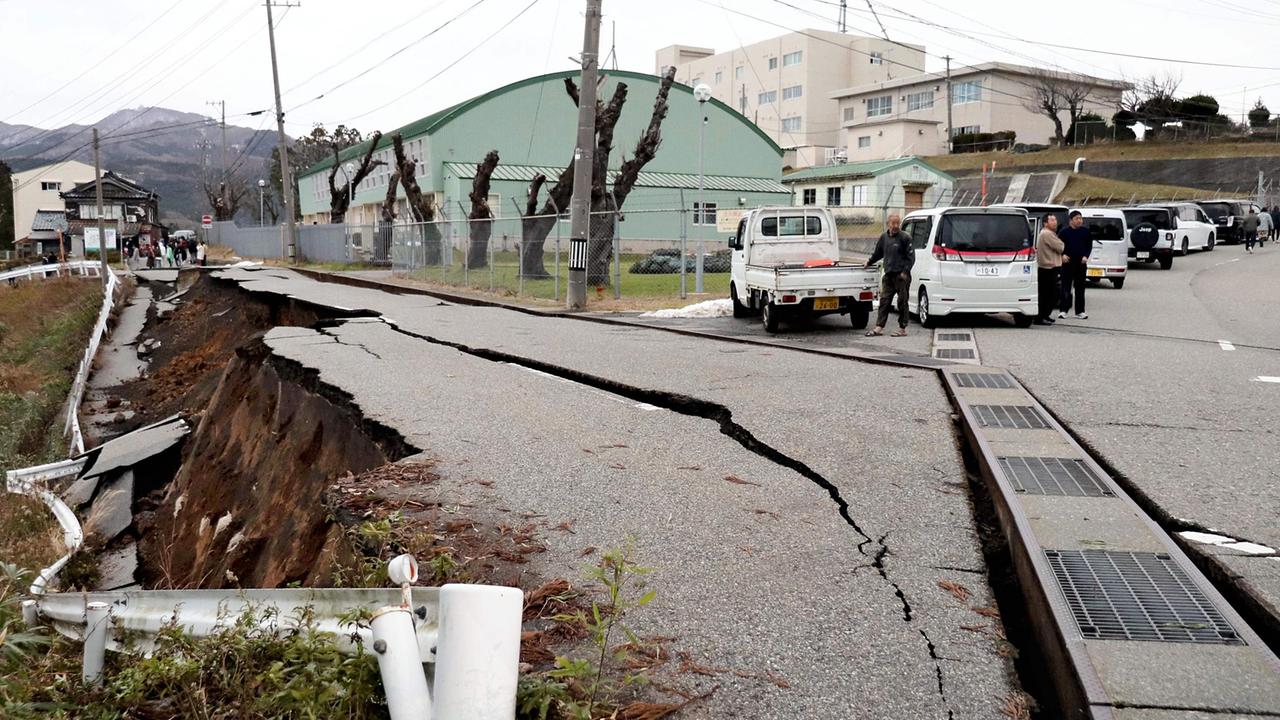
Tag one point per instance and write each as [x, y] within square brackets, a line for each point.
[246, 507]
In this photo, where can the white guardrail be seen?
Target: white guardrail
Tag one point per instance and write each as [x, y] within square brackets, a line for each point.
[469, 634]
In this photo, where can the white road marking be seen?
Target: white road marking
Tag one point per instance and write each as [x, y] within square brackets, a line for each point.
[1226, 345]
[1267, 379]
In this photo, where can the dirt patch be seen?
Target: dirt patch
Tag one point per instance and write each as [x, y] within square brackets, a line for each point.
[197, 341]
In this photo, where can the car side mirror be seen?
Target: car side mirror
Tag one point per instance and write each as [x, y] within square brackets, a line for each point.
[733, 242]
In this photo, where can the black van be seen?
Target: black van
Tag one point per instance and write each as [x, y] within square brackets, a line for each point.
[1227, 215]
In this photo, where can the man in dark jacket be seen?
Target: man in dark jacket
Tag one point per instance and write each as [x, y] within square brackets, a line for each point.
[899, 256]
[1275, 222]
[1077, 243]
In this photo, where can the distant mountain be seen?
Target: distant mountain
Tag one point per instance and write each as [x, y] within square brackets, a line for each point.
[164, 150]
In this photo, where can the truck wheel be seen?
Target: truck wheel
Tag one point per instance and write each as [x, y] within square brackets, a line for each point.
[922, 311]
[739, 310]
[860, 315]
[1117, 283]
[1166, 261]
[770, 317]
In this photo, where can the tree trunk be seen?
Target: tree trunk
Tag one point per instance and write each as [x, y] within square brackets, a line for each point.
[340, 197]
[534, 232]
[421, 207]
[480, 221]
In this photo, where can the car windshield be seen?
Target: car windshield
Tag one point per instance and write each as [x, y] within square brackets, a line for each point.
[1217, 210]
[792, 225]
[1105, 228]
[1157, 217]
[985, 232]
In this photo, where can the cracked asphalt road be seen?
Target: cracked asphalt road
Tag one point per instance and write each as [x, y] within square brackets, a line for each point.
[761, 577]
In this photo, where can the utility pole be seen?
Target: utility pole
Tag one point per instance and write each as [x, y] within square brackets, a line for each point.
[102, 230]
[950, 130]
[583, 162]
[286, 172]
[222, 185]
[843, 22]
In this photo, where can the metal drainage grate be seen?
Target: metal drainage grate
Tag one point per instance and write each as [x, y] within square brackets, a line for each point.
[954, 354]
[1137, 596]
[1021, 417]
[1053, 476]
[955, 337]
[983, 380]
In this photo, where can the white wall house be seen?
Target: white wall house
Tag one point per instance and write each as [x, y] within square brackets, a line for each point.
[908, 115]
[40, 189]
[784, 84]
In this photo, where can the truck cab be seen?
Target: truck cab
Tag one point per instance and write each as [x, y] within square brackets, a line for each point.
[786, 266]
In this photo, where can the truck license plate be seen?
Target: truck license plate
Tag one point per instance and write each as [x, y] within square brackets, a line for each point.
[1143, 255]
[1097, 272]
[826, 303]
[987, 270]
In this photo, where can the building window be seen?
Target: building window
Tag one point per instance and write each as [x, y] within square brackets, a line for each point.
[50, 186]
[792, 58]
[737, 73]
[719, 77]
[859, 194]
[833, 196]
[864, 141]
[877, 106]
[848, 114]
[90, 212]
[773, 63]
[767, 97]
[791, 124]
[877, 58]
[810, 196]
[704, 214]
[920, 100]
[966, 92]
[966, 130]
[793, 92]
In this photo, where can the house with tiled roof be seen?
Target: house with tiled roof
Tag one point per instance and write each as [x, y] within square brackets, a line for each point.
[127, 209]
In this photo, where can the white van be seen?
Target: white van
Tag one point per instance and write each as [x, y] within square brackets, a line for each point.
[1194, 230]
[1110, 257]
[972, 260]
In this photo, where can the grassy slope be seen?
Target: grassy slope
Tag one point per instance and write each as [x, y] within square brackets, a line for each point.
[1086, 189]
[966, 164]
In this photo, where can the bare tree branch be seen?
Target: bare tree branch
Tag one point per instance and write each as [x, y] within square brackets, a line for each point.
[647, 146]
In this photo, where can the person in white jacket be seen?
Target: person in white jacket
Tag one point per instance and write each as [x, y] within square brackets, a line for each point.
[1265, 226]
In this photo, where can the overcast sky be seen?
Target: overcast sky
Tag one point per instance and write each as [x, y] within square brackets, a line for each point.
[80, 54]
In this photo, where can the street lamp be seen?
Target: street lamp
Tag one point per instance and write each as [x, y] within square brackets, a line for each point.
[262, 204]
[701, 93]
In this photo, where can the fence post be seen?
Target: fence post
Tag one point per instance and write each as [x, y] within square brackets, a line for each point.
[617, 259]
[395, 644]
[683, 249]
[557, 209]
[97, 626]
[519, 251]
[466, 248]
[478, 652]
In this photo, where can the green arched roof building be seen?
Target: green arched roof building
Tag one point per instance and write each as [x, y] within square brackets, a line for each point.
[532, 124]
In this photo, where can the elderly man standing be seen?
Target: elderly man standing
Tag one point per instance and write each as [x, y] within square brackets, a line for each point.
[899, 256]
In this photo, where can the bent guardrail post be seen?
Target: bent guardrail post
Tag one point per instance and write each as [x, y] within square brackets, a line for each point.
[395, 645]
[97, 623]
[477, 663]
[30, 617]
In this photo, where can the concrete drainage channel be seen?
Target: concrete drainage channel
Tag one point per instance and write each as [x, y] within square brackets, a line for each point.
[1124, 622]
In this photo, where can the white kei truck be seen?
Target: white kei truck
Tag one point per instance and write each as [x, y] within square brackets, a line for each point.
[786, 266]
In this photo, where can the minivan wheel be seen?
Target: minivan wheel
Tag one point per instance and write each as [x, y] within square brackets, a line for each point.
[1023, 320]
[770, 317]
[922, 311]
[1186, 246]
[1212, 243]
[739, 310]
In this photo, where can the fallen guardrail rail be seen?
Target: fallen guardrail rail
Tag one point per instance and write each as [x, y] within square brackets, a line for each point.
[83, 268]
[468, 634]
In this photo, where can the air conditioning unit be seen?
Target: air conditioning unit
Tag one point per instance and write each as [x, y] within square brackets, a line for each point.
[840, 156]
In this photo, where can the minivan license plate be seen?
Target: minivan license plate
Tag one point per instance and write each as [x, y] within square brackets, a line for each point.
[987, 270]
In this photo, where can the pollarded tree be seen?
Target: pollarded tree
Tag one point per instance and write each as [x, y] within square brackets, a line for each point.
[1259, 115]
[480, 220]
[422, 206]
[340, 195]
[606, 199]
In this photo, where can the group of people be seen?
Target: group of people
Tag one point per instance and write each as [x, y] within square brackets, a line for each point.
[1258, 228]
[1062, 266]
[164, 252]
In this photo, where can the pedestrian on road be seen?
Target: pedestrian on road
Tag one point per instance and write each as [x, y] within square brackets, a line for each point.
[1265, 227]
[1077, 243]
[899, 256]
[1275, 222]
[202, 252]
[1048, 268]
[1250, 230]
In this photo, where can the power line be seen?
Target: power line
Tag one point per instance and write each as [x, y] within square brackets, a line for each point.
[446, 68]
[379, 64]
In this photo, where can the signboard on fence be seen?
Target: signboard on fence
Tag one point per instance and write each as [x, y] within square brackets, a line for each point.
[727, 220]
[91, 238]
